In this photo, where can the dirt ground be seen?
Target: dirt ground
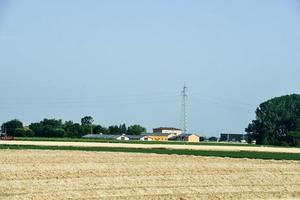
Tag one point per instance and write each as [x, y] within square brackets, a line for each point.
[45, 174]
[147, 146]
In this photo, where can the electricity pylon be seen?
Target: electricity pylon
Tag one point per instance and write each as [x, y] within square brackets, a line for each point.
[183, 120]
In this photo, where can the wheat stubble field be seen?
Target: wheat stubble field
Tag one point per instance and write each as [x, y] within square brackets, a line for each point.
[44, 174]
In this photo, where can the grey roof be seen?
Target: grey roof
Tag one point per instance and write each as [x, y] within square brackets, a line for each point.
[168, 128]
[181, 136]
[134, 137]
[102, 136]
[107, 136]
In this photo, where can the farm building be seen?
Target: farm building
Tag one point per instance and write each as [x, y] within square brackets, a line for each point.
[122, 137]
[107, 137]
[113, 137]
[157, 136]
[146, 138]
[186, 137]
[168, 130]
[101, 136]
[135, 137]
[232, 137]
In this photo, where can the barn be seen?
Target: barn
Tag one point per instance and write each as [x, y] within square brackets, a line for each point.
[158, 136]
[186, 138]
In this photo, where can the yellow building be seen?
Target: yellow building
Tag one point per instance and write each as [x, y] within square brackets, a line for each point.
[193, 138]
[186, 138]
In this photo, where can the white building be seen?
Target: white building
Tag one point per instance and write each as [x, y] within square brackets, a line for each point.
[169, 130]
[146, 138]
[122, 137]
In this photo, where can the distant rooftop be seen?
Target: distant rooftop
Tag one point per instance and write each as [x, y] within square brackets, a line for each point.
[167, 128]
[182, 136]
[157, 134]
[108, 136]
[102, 136]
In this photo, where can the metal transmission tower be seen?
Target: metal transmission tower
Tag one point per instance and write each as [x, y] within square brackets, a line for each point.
[183, 117]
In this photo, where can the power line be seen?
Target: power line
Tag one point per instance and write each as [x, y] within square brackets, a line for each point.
[111, 100]
[89, 104]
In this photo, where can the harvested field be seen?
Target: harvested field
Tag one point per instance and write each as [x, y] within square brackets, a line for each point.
[43, 174]
[148, 146]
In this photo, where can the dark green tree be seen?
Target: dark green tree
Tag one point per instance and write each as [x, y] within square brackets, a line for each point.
[123, 128]
[114, 130]
[48, 128]
[136, 130]
[87, 124]
[294, 138]
[213, 139]
[37, 128]
[24, 132]
[11, 126]
[87, 121]
[72, 130]
[52, 122]
[277, 121]
[99, 129]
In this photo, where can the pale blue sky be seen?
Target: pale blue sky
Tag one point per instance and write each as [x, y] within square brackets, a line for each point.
[126, 61]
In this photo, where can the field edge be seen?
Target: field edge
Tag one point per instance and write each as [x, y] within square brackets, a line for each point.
[229, 154]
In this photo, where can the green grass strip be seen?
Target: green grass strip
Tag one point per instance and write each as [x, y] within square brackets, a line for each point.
[135, 141]
[231, 154]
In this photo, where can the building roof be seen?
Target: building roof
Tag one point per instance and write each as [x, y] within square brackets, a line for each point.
[167, 128]
[107, 136]
[102, 136]
[134, 137]
[182, 136]
[156, 134]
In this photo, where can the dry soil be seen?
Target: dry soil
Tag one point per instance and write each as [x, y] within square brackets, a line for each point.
[44, 174]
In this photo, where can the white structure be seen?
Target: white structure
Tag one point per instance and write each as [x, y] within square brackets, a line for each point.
[146, 138]
[169, 130]
[122, 137]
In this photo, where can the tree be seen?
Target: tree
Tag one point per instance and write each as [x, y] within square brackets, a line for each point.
[114, 130]
[99, 129]
[58, 128]
[136, 130]
[87, 121]
[52, 122]
[87, 124]
[277, 121]
[37, 128]
[10, 126]
[294, 138]
[72, 130]
[77, 130]
[201, 139]
[212, 139]
[48, 128]
[68, 126]
[123, 128]
[24, 132]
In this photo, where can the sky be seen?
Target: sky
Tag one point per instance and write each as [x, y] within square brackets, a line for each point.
[127, 61]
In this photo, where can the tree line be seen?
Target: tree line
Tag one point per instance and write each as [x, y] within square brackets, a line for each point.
[277, 122]
[58, 128]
